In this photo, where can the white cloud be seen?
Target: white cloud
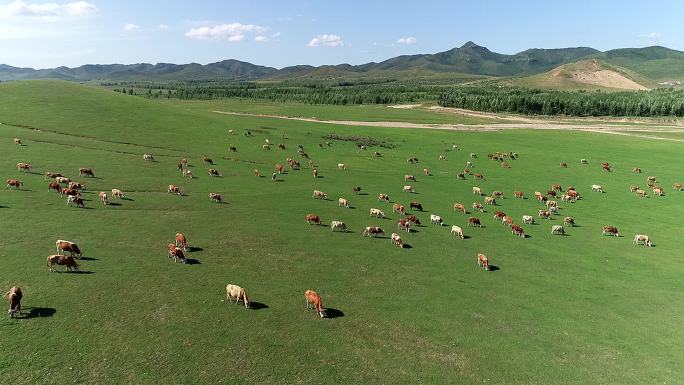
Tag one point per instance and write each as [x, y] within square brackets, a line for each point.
[131, 27]
[234, 32]
[651, 35]
[162, 26]
[407, 40]
[261, 39]
[45, 11]
[326, 40]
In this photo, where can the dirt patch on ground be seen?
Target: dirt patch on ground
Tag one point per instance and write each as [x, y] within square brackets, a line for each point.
[606, 78]
[405, 106]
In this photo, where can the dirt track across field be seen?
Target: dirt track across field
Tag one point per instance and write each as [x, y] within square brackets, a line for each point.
[520, 123]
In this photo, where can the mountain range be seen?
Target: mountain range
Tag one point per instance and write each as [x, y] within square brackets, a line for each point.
[649, 65]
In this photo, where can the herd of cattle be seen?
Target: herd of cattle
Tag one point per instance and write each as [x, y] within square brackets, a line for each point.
[71, 189]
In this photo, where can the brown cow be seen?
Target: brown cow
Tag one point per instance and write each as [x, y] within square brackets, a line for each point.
[214, 172]
[413, 219]
[257, 173]
[313, 298]
[519, 194]
[181, 241]
[176, 253]
[383, 197]
[75, 200]
[605, 167]
[517, 230]
[636, 170]
[556, 187]
[482, 261]
[410, 177]
[69, 192]
[173, 189]
[498, 215]
[356, 189]
[563, 165]
[279, 168]
[677, 186]
[67, 261]
[14, 183]
[52, 175]
[83, 171]
[404, 224]
[18, 142]
[478, 206]
[215, 197]
[14, 296]
[207, 160]
[373, 231]
[416, 205]
[479, 176]
[398, 208]
[315, 173]
[24, 167]
[570, 221]
[610, 230]
[63, 246]
[460, 207]
[472, 221]
[76, 186]
[55, 186]
[311, 218]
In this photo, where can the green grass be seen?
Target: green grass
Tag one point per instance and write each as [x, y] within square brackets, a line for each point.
[579, 309]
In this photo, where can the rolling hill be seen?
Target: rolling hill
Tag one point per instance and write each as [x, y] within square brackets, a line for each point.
[586, 74]
[647, 66]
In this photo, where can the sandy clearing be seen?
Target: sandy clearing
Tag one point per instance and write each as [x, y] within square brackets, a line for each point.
[606, 78]
[405, 106]
[625, 130]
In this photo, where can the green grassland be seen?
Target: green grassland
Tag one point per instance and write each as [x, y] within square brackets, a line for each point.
[575, 309]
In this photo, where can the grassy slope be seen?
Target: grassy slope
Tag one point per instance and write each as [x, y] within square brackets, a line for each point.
[561, 310]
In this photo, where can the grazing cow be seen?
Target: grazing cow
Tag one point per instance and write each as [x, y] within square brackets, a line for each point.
[506, 220]
[184, 162]
[426, 172]
[553, 209]
[565, 198]
[311, 218]
[67, 261]
[551, 204]
[257, 173]
[610, 230]
[319, 195]
[442, 157]
[215, 197]
[315, 173]
[377, 213]
[24, 167]
[52, 175]
[550, 193]
[373, 231]
[237, 293]
[505, 165]
[383, 197]
[519, 194]
[408, 189]
[640, 193]
[544, 214]
[187, 173]
[538, 195]
[658, 191]
[573, 194]
[597, 188]
[416, 205]
[563, 165]
[605, 167]
[472, 221]
[677, 186]
[148, 157]
[104, 198]
[76, 186]
[116, 193]
[14, 297]
[436, 220]
[337, 225]
[409, 177]
[461, 176]
[18, 142]
[279, 168]
[63, 246]
[413, 219]
[312, 298]
[642, 239]
[14, 183]
[207, 160]
[404, 224]
[86, 172]
[274, 177]
[181, 241]
[517, 230]
[558, 230]
[528, 219]
[69, 192]
[457, 231]
[482, 261]
[498, 215]
[265, 146]
[460, 207]
[498, 194]
[356, 189]
[473, 155]
[311, 163]
[478, 206]
[232, 149]
[397, 208]
[556, 187]
[412, 159]
[490, 201]
[75, 200]
[54, 186]
[180, 166]
[173, 189]
[176, 253]
[396, 240]
[477, 191]
[281, 146]
[478, 176]
[583, 161]
[636, 170]
[343, 203]
[341, 166]
[214, 172]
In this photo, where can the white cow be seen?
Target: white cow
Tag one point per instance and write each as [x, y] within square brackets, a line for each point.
[148, 157]
[557, 229]
[377, 213]
[409, 189]
[642, 239]
[343, 203]
[436, 219]
[341, 166]
[457, 231]
[597, 188]
[528, 219]
[337, 225]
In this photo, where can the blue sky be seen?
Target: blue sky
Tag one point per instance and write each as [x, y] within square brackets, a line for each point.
[49, 33]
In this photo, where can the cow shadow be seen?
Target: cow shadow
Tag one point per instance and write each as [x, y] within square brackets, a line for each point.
[493, 268]
[37, 312]
[253, 305]
[192, 249]
[320, 177]
[192, 261]
[88, 259]
[83, 272]
[4, 207]
[333, 313]
[466, 237]
[114, 204]
[407, 246]
[362, 193]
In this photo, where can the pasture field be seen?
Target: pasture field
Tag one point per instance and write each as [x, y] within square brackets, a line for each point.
[574, 309]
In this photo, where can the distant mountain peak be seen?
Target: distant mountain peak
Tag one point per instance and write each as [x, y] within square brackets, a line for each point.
[471, 44]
